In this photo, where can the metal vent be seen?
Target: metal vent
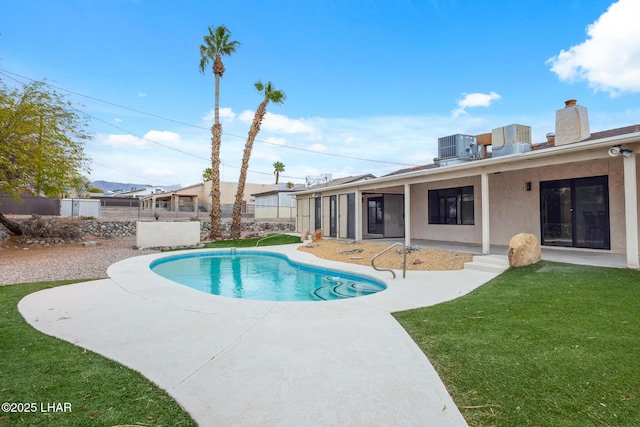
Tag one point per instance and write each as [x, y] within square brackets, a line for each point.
[510, 135]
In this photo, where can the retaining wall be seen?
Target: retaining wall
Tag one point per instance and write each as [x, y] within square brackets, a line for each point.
[127, 228]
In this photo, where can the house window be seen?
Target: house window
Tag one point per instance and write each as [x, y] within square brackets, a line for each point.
[451, 206]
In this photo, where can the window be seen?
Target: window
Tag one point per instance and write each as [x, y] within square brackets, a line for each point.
[451, 206]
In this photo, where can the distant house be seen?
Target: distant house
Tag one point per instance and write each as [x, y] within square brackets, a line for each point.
[577, 190]
[141, 192]
[196, 198]
[276, 204]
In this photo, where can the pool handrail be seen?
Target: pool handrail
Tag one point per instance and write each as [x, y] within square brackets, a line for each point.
[404, 263]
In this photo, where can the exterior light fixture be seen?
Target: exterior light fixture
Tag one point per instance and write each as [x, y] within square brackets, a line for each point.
[616, 150]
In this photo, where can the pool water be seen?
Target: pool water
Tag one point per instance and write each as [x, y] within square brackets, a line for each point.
[262, 276]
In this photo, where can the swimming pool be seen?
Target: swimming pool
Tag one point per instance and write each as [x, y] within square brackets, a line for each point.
[262, 276]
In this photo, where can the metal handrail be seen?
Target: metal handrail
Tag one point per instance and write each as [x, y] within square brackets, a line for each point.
[404, 264]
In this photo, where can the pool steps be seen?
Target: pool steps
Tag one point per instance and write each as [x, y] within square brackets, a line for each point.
[339, 290]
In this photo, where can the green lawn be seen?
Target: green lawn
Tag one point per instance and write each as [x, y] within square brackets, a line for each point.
[269, 240]
[38, 369]
[545, 345]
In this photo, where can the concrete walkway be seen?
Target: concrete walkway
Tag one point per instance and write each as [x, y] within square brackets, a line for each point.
[232, 362]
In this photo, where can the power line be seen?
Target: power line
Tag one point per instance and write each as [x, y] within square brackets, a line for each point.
[203, 128]
[150, 140]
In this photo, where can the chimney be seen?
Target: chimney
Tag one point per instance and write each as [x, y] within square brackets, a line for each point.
[551, 138]
[572, 123]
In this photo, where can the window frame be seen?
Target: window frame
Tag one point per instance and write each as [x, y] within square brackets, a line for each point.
[459, 202]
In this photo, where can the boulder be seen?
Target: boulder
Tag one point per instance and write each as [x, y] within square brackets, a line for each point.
[524, 249]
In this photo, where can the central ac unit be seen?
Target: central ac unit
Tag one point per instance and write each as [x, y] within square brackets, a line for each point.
[458, 147]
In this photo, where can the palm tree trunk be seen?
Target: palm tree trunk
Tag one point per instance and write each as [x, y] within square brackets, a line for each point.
[215, 182]
[253, 132]
[216, 140]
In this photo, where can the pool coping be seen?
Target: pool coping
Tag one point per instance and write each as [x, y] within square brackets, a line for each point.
[135, 276]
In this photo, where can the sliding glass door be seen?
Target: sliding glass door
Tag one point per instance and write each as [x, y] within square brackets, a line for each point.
[575, 212]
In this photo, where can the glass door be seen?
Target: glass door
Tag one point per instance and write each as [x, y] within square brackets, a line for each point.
[575, 212]
[375, 216]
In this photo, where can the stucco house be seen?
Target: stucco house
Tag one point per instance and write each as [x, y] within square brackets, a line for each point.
[578, 190]
[196, 198]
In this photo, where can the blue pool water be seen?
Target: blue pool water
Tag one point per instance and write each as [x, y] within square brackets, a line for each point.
[262, 276]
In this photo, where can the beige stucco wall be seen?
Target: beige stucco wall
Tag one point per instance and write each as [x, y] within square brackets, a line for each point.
[228, 191]
[514, 210]
[162, 234]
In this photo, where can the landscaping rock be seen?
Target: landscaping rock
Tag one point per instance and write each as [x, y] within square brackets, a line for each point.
[524, 249]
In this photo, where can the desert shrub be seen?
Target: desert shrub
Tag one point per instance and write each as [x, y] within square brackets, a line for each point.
[67, 229]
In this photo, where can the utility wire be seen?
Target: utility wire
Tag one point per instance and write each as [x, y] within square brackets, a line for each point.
[143, 137]
[5, 72]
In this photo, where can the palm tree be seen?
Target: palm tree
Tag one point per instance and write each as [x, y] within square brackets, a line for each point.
[207, 175]
[270, 95]
[216, 45]
[277, 168]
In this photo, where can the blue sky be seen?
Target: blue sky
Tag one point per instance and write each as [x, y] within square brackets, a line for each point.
[370, 85]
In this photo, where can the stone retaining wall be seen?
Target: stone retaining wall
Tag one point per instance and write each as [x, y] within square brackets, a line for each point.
[127, 228]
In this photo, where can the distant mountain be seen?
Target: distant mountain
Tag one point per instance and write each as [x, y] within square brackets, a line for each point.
[117, 186]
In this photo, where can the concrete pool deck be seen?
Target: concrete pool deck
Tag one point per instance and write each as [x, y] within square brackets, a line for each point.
[232, 362]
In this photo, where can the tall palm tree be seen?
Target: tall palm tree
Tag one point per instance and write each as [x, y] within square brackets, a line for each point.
[216, 45]
[277, 168]
[270, 95]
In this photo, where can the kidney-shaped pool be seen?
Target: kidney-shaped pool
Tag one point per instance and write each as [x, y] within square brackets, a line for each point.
[262, 276]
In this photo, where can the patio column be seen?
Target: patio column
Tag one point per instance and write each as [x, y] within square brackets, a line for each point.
[358, 214]
[484, 189]
[407, 215]
[631, 210]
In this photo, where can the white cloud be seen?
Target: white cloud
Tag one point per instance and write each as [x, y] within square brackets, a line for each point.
[246, 116]
[470, 100]
[163, 137]
[318, 147]
[141, 94]
[117, 120]
[226, 115]
[609, 60]
[158, 172]
[121, 141]
[279, 123]
[276, 141]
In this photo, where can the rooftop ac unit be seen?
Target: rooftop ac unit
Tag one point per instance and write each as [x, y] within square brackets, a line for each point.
[458, 147]
[512, 139]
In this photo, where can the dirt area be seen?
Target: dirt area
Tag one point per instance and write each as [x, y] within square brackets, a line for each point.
[21, 263]
[362, 252]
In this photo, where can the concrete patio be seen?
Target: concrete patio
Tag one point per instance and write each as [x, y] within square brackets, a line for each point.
[232, 362]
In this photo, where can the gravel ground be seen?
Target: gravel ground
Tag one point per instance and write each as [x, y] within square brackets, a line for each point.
[21, 263]
[362, 252]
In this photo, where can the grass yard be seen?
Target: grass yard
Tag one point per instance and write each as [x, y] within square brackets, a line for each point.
[42, 370]
[545, 345]
[269, 240]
